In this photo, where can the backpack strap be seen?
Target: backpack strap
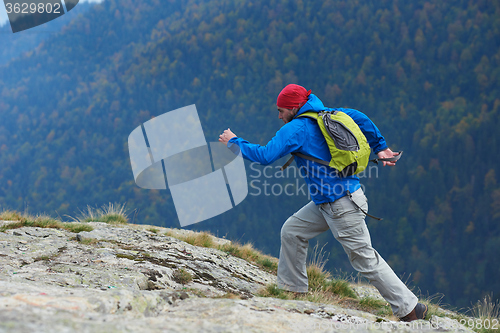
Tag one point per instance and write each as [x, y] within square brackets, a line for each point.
[349, 194]
[314, 116]
[317, 160]
[314, 159]
[287, 164]
[309, 114]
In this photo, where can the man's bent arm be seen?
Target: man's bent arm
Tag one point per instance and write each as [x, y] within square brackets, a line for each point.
[283, 143]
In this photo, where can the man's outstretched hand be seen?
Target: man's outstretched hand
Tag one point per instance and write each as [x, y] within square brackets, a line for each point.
[226, 136]
[388, 153]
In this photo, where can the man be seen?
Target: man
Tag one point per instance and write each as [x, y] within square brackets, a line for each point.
[330, 207]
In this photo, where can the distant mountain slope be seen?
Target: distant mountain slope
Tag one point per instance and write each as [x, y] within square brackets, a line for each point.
[426, 72]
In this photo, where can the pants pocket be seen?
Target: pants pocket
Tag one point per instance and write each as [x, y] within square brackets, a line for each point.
[344, 218]
[349, 225]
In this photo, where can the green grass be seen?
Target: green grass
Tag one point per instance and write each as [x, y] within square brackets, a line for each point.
[111, 213]
[335, 291]
[112, 218]
[268, 264]
[322, 285]
[322, 281]
[376, 306]
[40, 221]
[182, 276]
[340, 287]
[77, 227]
[272, 290]
[129, 257]
[89, 241]
[322, 288]
[317, 277]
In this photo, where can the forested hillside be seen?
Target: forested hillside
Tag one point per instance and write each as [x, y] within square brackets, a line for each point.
[426, 72]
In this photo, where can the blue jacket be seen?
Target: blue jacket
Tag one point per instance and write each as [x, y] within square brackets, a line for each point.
[304, 135]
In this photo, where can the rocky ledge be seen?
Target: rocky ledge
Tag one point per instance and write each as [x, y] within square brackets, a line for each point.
[134, 278]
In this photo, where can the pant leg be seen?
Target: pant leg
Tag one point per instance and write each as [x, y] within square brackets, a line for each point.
[305, 224]
[349, 228]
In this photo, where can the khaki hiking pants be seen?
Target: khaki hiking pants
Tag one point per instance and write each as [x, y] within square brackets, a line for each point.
[347, 224]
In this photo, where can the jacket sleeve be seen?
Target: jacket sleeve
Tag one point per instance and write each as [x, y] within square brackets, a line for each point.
[375, 139]
[287, 140]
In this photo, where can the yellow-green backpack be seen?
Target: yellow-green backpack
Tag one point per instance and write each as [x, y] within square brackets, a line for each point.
[348, 145]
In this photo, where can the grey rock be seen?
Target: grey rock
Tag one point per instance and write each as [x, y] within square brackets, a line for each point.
[123, 279]
[366, 291]
[448, 324]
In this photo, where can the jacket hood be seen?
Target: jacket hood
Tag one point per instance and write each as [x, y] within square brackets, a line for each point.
[312, 104]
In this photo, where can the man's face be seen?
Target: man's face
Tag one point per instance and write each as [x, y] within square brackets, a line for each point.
[287, 114]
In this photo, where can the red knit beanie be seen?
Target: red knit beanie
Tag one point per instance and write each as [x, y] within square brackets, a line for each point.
[292, 96]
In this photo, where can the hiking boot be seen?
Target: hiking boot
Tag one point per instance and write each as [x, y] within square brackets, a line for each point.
[418, 313]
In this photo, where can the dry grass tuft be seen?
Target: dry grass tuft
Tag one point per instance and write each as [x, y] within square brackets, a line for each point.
[246, 252]
[40, 221]
[9, 215]
[182, 276]
[487, 316]
[111, 213]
